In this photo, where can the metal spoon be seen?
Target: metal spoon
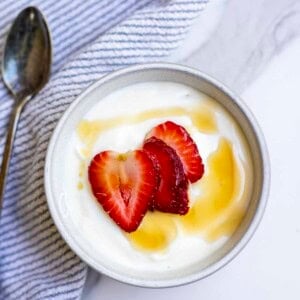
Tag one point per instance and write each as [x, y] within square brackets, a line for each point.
[25, 69]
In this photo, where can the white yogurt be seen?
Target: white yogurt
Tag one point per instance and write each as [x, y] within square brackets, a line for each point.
[101, 235]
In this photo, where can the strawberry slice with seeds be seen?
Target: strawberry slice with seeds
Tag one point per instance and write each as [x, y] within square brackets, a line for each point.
[124, 184]
[171, 195]
[179, 139]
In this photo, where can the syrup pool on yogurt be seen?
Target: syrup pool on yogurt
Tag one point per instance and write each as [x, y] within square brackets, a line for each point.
[163, 243]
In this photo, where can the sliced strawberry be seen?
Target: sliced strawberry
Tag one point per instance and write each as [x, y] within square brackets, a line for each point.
[171, 195]
[124, 184]
[156, 165]
[179, 139]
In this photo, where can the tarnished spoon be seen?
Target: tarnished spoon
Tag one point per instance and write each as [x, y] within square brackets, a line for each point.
[25, 70]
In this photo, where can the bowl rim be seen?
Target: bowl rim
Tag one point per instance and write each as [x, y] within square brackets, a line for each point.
[262, 202]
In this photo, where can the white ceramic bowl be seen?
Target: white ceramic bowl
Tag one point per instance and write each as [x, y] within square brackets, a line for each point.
[159, 72]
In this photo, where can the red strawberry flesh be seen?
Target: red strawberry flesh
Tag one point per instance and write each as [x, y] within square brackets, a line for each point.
[171, 195]
[179, 139]
[124, 184]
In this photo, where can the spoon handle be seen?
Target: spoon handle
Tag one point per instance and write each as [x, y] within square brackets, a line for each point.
[12, 127]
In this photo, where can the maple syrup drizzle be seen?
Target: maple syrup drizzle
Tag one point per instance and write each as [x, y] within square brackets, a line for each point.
[155, 233]
[218, 211]
[88, 131]
[79, 185]
[220, 208]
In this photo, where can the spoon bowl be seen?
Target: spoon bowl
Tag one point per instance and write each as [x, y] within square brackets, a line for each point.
[27, 54]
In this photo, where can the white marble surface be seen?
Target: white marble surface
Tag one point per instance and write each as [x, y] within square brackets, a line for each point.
[254, 47]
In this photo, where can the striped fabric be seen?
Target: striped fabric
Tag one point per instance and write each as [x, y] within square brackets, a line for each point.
[35, 263]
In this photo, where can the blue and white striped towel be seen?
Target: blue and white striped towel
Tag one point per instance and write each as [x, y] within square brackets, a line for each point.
[35, 263]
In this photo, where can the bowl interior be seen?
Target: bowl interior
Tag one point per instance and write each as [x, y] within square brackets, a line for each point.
[199, 81]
